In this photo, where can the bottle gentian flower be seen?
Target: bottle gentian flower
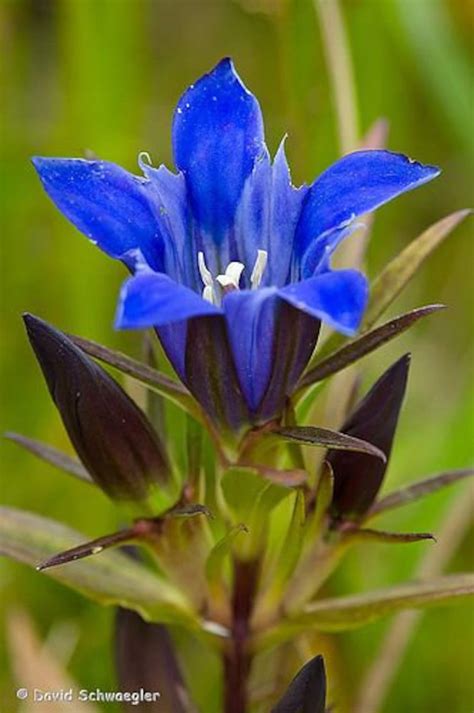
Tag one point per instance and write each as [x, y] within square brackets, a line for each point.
[230, 262]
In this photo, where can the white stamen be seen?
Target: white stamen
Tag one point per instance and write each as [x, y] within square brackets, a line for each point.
[216, 287]
[234, 270]
[209, 295]
[258, 269]
[225, 281]
[206, 275]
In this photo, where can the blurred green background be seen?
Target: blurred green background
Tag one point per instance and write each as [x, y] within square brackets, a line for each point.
[104, 75]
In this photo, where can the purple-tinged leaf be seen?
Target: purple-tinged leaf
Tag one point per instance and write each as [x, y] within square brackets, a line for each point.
[112, 437]
[325, 438]
[52, 455]
[114, 578]
[365, 344]
[94, 547]
[418, 490]
[149, 376]
[146, 659]
[307, 691]
[357, 478]
[143, 530]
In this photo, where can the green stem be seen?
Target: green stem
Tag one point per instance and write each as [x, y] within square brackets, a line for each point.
[338, 58]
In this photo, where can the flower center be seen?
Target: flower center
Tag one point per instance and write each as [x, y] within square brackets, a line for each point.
[216, 287]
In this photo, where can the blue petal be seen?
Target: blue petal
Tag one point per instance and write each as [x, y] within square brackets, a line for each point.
[251, 230]
[338, 298]
[250, 319]
[168, 191]
[217, 136]
[106, 203]
[287, 201]
[152, 299]
[173, 340]
[356, 184]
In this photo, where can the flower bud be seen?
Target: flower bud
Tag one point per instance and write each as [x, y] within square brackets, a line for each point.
[112, 437]
[358, 477]
[307, 691]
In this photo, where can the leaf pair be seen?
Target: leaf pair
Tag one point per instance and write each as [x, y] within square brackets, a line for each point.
[112, 437]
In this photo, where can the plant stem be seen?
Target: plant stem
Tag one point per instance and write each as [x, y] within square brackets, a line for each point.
[237, 659]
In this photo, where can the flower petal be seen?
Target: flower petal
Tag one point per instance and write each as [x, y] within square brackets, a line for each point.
[211, 375]
[106, 203]
[170, 198]
[251, 228]
[356, 184]
[217, 137]
[338, 298]
[250, 319]
[287, 201]
[152, 299]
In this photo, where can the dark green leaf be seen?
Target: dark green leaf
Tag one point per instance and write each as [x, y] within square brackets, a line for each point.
[153, 378]
[365, 344]
[365, 534]
[418, 490]
[325, 438]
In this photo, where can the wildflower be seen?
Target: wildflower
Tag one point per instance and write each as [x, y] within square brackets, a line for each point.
[230, 261]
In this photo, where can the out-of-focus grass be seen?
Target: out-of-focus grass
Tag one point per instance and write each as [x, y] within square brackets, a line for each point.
[104, 75]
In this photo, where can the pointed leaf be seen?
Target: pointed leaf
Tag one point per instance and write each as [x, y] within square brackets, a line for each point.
[325, 438]
[418, 490]
[146, 659]
[287, 557]
[365, 344]
[88, 549]
[114, 578]
[215, 563]
[357, 478]
[113, 438]
[350, 612]
[52, 455]
[251, 498]
[365, 534]
[401, 269]
[307, 691]
[322, 501]
[149, 376]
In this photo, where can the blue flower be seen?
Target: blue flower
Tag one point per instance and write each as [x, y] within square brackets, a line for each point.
[231, 262]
